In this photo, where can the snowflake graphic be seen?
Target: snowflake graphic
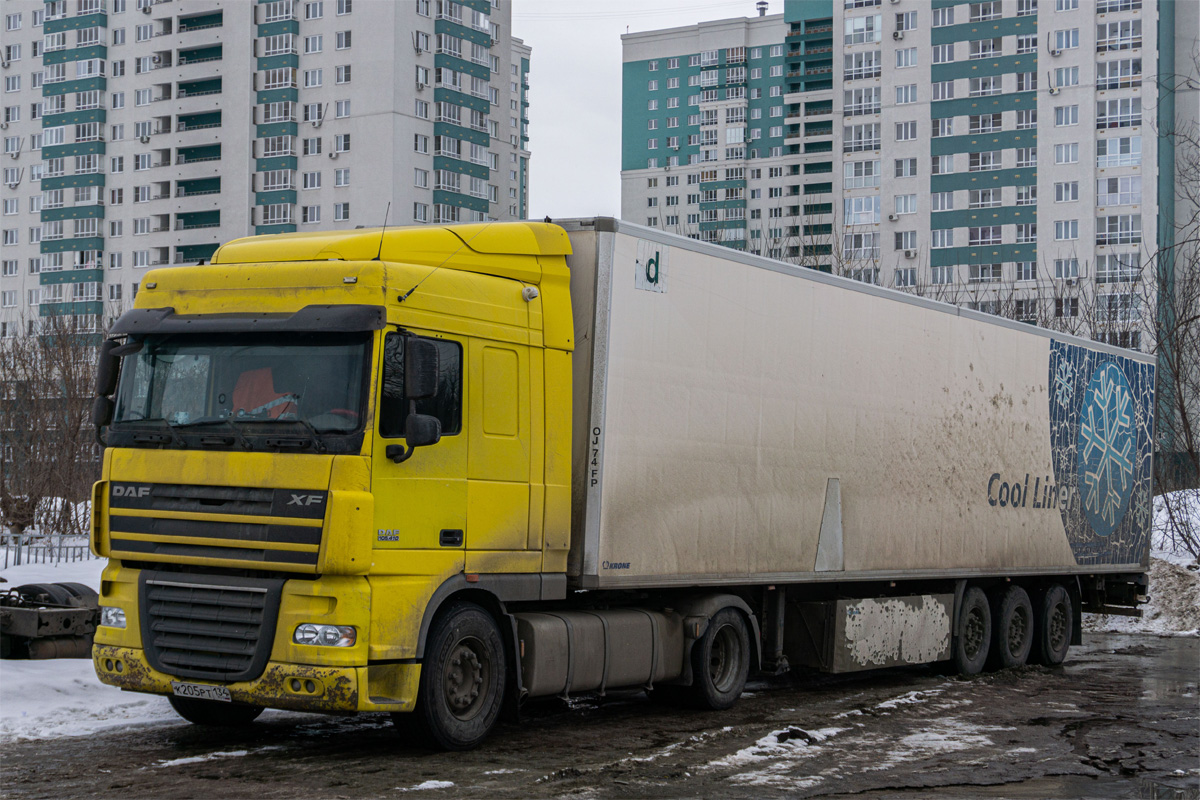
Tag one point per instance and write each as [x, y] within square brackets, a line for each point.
[1063, 380]
[1106, 446]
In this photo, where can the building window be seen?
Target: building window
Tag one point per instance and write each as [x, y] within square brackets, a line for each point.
[343, 73]
[1066, 268]
[341, 211]
[859, 30]
[1066, 230]
[1068, 192]
[1066, 153]
[310, 214]
[988, 234]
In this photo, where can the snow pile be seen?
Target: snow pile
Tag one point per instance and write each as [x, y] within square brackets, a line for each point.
[1173, 610]
[1174, 607]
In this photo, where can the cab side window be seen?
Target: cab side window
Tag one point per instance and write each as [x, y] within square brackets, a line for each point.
[446, 405]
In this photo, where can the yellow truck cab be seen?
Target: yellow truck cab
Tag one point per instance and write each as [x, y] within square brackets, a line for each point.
[258, 437]
[432, 470]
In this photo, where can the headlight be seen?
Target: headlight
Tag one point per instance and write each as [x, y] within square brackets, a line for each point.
[325, 635]
[112, 617]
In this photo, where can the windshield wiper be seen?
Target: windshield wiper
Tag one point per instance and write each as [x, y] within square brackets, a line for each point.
[315, 437]
[155, 438]
[212, 421]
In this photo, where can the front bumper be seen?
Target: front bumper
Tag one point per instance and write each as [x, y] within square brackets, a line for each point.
[294, 687]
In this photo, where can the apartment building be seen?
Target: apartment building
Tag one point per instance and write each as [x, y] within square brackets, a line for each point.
[1001, 154]
[144, 133]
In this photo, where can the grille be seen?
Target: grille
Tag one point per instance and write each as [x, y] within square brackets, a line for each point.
[205, 626]
[277, 528]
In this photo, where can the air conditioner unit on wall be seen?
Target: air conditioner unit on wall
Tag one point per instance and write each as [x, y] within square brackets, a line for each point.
[898, 35]
[910, 253]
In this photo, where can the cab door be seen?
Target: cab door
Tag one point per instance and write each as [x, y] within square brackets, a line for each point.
[421, 503]
[498, 421]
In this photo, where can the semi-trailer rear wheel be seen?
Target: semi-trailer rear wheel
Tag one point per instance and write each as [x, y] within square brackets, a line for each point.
[1012, 629]
[1054, 627]
[462, 679]
[721, 661]
[973, 633]
[214, 712]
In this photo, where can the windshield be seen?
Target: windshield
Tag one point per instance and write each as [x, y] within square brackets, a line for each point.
[312, 380]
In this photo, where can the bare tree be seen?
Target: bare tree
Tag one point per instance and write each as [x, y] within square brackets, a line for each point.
[50, 457]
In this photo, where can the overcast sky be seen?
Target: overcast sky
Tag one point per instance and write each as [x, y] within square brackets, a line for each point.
[575, 92]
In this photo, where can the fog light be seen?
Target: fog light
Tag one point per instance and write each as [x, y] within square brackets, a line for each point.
[325, 635]
[111, 617]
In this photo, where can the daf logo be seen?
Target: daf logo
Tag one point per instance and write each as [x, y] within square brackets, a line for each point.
[130, 491]
[305, 499]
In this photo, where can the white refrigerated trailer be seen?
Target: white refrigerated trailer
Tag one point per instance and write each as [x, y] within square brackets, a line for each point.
[869, 477]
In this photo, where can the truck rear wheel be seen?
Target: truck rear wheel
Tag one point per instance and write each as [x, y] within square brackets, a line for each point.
[1012, 629]
[972, 635]
[462, 678]
[214, 712]
[1054, 627]
[721, 661]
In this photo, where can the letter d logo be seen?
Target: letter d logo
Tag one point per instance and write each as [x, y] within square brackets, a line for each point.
[650, 269]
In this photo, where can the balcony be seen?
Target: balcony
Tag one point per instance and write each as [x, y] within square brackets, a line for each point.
[198, 187]
[195, 122]
[201, 22]
[199, 88]
[195, 155]
[197, 219]
[199, 55]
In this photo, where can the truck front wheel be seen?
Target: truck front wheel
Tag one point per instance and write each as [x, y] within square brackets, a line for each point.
[973, 633]
[462, 678]
[214, 712]
[721, 661]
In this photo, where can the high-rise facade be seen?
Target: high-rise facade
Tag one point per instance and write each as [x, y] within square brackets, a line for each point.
[1002, 154]
[143, 133]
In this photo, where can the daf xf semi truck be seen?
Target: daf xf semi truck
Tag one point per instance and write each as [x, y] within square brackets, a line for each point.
[430, 470]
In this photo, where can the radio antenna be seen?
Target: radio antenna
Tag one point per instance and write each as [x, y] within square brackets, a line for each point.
[383, 230]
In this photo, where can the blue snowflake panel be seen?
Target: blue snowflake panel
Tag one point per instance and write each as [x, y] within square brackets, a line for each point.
[1101, 425]
[1106, 449]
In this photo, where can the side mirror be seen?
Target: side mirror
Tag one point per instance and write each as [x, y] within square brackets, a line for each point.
[101, 413]
[107, 367]
[420, 368]
[420, 430]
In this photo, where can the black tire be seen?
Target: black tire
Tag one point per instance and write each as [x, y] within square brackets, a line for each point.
[214, 712]
[721, 661]
[973, 633]
[462, 679]
[1012, 629]
[1054, 628]
[86, 596]
[52, 593]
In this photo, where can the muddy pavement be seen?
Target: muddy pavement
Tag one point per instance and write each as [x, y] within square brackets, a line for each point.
[1120, 719]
